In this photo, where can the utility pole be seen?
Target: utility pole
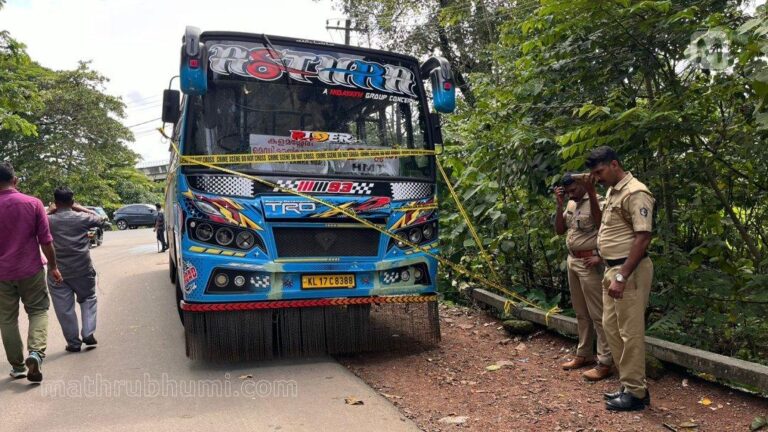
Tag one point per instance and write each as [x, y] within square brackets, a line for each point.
[347, 26]
[348, 29]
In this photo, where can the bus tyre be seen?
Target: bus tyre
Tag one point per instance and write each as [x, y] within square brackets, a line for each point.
[172, 270]
[122, 225]
[179, 298]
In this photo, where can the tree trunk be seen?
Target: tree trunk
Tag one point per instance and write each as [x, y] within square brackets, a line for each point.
[745, 237]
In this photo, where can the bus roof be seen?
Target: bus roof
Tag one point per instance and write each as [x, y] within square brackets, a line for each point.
[226, 35]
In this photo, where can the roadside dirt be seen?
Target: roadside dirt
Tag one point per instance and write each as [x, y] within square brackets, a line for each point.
[449, 388]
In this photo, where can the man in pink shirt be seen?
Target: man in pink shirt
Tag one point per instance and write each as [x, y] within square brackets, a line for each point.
[24, 230]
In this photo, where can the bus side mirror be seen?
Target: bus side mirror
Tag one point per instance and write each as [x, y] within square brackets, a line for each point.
[443, 86]
[193, 71]
[171, 106]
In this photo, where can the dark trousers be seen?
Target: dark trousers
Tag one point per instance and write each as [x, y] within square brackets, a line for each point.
[83, 290]
[161, 237]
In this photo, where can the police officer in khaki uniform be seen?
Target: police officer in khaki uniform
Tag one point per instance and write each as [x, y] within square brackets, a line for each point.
[623, 239]
[585, 274]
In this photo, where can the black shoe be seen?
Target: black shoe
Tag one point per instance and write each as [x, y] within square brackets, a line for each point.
[33, 363]
[613, 395]
[90, 340]
[72, 349]
[627, 402]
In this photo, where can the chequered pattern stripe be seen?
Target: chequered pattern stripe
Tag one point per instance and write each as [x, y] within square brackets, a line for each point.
[224, 185]
[391, 277]
[357, 188]
[362, 188]
[411, 191]
[287, 184]
[278, 304]
[260, 281]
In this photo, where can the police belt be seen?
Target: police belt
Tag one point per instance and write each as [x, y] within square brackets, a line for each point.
[620, 261]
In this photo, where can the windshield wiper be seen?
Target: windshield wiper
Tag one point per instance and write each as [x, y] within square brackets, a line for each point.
[268, 45]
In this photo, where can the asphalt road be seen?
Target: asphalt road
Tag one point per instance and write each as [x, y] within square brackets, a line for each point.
[138, 378]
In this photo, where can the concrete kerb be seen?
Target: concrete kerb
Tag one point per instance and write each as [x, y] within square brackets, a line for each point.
[725, 368]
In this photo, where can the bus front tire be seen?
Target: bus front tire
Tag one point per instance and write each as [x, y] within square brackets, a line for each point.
[172, 270]
[179, 298]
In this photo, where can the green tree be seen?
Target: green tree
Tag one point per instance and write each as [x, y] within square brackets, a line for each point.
[61, 128]
[678, 88]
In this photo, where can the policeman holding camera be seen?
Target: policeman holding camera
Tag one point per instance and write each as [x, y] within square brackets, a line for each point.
[585, 272]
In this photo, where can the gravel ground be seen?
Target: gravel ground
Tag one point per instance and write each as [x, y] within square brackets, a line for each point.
[449, 388]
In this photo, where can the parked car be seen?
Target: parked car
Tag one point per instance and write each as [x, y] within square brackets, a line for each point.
[106, 225]
[97, 234]
[135, 215]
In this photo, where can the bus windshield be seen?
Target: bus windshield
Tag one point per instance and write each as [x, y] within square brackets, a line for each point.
[275, 99]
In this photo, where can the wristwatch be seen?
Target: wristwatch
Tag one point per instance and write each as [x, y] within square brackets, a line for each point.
[620, 278]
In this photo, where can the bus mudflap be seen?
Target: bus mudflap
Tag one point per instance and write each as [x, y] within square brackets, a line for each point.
[301, 328]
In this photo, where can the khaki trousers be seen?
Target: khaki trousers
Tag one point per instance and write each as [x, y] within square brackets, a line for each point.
[33, 292]
[587, 299]
[624, 325]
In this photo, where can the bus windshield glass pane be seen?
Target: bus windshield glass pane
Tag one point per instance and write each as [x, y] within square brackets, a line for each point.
[278, 99]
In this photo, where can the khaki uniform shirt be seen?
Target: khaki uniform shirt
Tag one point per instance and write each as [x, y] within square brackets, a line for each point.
[582, 230]
[628, 209]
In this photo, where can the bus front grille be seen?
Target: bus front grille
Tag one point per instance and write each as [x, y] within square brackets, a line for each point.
[326, 242]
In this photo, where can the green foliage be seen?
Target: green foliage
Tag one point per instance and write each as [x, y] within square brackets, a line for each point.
[557, 78]
[61, 128]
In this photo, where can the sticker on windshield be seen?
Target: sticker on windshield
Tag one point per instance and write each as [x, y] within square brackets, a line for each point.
[269, 65]
[270, 144]
[308, 141]
[321, 137]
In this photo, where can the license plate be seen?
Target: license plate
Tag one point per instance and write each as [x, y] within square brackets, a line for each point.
[328, 281]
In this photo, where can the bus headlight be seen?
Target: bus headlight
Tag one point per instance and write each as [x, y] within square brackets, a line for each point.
[244, 240]
[221, 280]
[417, 274]
[204, 232]
[415, 235]
[206, 208]
[224, 236]
[405, 275]
[429, 231]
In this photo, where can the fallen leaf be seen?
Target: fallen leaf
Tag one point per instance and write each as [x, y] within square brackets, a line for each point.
[685, 382]
[493, 367]
[353, 401]
[688, 425]
[245, 377]
[520, 347]
[705, 401]
[391, 396]
[454, 420]
[466, 326]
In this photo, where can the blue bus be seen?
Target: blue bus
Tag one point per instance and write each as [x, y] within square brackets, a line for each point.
[272, 254]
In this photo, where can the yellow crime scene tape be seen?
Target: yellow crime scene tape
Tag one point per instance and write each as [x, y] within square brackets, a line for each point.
[213, 162]
[308, 156]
